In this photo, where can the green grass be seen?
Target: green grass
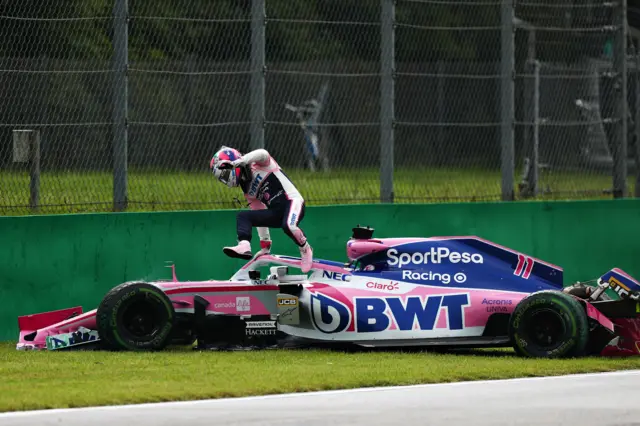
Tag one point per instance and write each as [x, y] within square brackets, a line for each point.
[39, 380]
[149, 191]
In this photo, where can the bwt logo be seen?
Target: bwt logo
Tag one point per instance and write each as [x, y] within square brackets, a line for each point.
[374, 315]
[254, 184]
[329, 315]
[434, 256]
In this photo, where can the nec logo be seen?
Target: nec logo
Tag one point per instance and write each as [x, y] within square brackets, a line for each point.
[335, 276]
[255, 184]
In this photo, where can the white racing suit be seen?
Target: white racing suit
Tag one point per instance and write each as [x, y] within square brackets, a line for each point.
[274, 203]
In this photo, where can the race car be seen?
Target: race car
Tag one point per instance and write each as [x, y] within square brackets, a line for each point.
[461, 291]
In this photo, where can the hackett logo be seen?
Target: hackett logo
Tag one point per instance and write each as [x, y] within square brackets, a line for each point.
[434, 256]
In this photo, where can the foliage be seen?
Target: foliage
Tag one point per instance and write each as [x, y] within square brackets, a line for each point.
[175, 29]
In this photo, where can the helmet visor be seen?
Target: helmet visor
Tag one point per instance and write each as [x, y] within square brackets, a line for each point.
[224, 175]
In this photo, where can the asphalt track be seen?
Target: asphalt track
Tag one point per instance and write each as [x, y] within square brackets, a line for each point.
[590, 399]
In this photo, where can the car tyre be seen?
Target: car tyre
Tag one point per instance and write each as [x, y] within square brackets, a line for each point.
[549, 324]
[135, 316]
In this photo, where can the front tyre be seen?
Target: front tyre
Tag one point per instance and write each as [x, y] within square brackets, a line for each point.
[135, 316]
[549, 324]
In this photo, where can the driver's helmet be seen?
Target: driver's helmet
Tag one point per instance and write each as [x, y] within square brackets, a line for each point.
[230, 177]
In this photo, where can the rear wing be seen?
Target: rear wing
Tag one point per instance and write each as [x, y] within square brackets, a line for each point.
[620, 284]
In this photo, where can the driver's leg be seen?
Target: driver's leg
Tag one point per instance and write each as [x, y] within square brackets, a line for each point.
[245, 222]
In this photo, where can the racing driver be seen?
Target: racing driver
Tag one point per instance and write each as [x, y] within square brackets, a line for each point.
[273, 200]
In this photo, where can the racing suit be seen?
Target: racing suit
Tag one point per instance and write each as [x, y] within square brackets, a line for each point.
[274, 202]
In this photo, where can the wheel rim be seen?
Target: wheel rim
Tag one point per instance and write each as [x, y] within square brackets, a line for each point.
[545, 328]
[141, 319]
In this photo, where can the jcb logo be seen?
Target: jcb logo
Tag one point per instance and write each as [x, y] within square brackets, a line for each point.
[620, 289]
[287, 302]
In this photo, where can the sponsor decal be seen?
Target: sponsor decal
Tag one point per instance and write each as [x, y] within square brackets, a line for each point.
[255, 184]
[335, 275]
[288, 312]
[369, 268]
[260, 324]
[497, 305]
[497, 302]
[433, 256]
[251, 332]
[224, 305]
[619, 288]
[329, 315]
[65, 340]
[433, 276]
[293, 219]
[243, 304]
[524, 266]
[376, 314]
[260, 328]
[390, 286]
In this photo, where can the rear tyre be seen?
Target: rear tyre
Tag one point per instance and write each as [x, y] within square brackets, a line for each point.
[549, 324]
[135, 316]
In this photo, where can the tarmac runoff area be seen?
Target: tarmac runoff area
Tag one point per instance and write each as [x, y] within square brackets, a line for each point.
[586, 399]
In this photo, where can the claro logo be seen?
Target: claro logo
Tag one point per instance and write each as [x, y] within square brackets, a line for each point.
[434, 256]
[383, 286]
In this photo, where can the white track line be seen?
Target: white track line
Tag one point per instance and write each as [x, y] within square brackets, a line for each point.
[183, 404]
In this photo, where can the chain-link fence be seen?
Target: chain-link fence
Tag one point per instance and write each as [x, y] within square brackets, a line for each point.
[359, 100]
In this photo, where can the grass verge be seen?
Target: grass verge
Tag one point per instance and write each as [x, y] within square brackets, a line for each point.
[41, 380]
[71, 192]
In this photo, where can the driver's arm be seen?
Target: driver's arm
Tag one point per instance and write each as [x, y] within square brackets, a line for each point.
[259, 156]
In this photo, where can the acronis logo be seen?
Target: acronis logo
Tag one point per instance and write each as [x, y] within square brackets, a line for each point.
[329, 315]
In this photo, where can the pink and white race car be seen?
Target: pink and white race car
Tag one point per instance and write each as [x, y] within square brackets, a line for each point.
[393, 292]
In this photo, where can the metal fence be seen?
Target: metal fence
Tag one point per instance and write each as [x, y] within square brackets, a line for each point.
[360, 101]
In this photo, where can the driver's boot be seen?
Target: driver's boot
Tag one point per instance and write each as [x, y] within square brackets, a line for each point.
[306, 254]
[241, 251]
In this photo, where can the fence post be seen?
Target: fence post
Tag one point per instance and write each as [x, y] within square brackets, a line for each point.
[258, 69]
[387, 96]
[535, 152]
[26, 149]
[636, 120]
[120, 101]
[507, 110]
[622, 107]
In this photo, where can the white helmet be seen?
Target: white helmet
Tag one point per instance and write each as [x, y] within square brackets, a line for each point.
[222, 168]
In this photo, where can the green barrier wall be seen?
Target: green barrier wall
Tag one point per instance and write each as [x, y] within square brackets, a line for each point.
[54, 262]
